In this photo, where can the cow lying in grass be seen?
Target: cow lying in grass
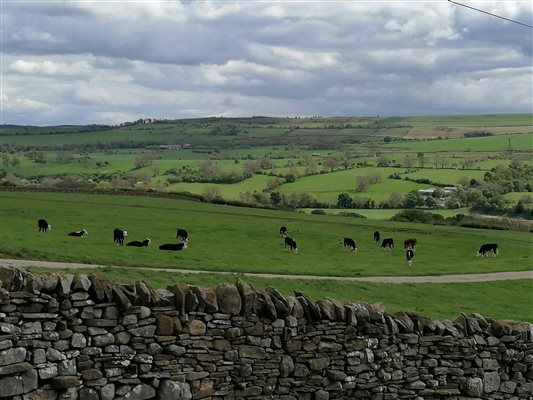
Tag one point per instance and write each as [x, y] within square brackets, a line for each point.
[182, 235]
[137, 243]
[80, 233]
[173, 246]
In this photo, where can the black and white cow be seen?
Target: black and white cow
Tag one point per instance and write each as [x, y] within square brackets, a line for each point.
[409, 244]
[137, 243]
[119, 235]
[43, 225]
[488, 248]
[283, 231]
[377, 237]
[80, 233]
[182, 235]
[291, 243]
[173, 246]
[387, 244]
[409, 255]
[350, 243]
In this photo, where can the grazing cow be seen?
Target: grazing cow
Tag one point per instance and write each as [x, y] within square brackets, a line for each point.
[387, 244]
[43, 225]
[119, 235]
[80, 233]
[409, 255]
[173, 246]
[377, 237]
[350, 243]
[182, 235]
[283, 231]
[137, 243]
[488, 248]
[291, 243]
[409, 244]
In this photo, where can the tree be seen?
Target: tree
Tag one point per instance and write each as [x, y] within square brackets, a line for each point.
[346, 161]
[344, 201]
[362, 182]
[421, 159]
[408, 162]
[331, 163]
[275, 198]
[208, 169]
[413, 199]
[382, 160]
[395, 199]
[265, 163]
[6, 159]
[210, 193]
[64, 156]
[311, 164]
[144, 160]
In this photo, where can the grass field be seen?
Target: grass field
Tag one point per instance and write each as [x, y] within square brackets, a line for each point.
[383, 214]
[224, 238]
[490, 143]
[447, 175]
[228, 191]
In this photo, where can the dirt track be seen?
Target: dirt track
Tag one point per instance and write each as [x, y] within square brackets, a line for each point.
[493, 276]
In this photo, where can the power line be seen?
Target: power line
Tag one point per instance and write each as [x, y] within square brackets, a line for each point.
[494, 15]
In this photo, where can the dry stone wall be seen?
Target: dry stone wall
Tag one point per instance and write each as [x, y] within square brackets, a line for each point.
[83, 337]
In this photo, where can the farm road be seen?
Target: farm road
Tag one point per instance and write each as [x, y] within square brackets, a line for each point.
[461, 278]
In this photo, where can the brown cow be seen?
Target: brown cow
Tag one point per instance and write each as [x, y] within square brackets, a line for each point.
[409, 244]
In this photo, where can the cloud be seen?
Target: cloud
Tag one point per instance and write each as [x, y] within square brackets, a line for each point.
[89, 61]
[51, 68]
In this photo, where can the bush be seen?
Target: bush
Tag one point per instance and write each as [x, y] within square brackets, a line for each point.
[417, 216]
[351, 215]
[318, 212]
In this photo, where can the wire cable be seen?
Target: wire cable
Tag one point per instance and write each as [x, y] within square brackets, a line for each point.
[494, 15]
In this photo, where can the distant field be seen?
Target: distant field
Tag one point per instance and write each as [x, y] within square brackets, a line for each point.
[229, 191]
[484, 120]
[224, 238]
[515, 196]
[489, 143]
[446, 176]
[327, 187]
[383, 214]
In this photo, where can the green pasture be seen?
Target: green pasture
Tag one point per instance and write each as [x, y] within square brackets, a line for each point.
[498, 299]
[327, 187]
[484, 120]
[515, 196]
[382, 190]
[523, 142]
[383, 214]
[339, 181]
[227, 190]
[225, 238]
[447, 176]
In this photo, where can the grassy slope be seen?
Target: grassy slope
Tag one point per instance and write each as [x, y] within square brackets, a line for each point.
[490, 143]
[240, 239]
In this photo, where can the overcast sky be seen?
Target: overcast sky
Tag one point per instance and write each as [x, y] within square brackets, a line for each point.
[79, 62]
